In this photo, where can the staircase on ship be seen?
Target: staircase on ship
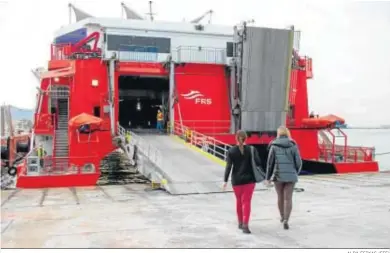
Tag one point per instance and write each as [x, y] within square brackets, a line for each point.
[60, 101]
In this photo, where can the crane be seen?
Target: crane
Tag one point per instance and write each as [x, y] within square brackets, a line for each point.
[197, 20]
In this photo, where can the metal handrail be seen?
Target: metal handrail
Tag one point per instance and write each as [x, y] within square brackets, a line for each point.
[199, 140]
[155, 156]
[60, 51]
[199, 54]
[150, 151]
[49, 166]
[349, 153]
[138, 56]
[329, 150]
[207, 127]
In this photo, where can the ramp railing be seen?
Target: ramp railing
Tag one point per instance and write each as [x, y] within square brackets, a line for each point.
[153, 153]
[207, 127]
[206, 143]
[152, 164]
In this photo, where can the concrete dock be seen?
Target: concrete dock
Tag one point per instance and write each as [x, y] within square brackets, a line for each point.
[351, 211]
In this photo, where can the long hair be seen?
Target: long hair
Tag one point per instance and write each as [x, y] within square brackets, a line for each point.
[283, 131]
[241, 138]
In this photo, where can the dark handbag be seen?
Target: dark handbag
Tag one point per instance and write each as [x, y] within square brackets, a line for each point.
[257, 171]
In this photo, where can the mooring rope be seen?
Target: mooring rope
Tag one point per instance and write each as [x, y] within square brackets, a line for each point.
[383, 153]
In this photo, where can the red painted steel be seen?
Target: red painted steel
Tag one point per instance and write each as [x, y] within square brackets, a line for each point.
[54, 181]
[357, 167]
[201, 95]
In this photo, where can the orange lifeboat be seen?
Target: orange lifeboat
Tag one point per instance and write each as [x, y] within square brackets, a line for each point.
[323, 121]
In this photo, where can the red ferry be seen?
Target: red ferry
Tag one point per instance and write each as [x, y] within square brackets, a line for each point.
[107, 76]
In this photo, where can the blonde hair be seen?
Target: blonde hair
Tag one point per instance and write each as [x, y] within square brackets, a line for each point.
[241, 137]
[283, 131]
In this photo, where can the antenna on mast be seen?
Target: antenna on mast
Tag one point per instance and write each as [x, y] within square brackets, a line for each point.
[70, 13]
[150, 11]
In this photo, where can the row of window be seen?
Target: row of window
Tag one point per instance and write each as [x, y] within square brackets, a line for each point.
[147, 44]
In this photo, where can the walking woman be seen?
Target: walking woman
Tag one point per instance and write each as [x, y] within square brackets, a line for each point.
[240, 161]
[283, 167]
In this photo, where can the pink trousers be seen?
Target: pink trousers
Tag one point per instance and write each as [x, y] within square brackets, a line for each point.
[244, 195]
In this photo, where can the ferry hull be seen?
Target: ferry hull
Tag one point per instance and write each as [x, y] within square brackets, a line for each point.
[53, 181]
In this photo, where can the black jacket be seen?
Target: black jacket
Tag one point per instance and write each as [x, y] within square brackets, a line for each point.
[241, 164]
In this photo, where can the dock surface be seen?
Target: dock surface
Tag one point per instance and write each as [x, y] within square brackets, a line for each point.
[351, 211]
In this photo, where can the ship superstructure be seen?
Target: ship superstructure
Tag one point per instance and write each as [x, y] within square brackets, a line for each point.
[107, 77]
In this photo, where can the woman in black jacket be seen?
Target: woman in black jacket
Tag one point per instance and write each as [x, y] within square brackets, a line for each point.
[239, 158]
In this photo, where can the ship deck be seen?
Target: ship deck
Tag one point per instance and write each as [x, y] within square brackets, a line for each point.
[332, 211]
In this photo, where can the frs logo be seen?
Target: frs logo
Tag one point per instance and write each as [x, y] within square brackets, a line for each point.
[198, 97]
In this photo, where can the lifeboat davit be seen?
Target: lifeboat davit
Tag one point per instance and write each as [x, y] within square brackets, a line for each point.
[323, 121]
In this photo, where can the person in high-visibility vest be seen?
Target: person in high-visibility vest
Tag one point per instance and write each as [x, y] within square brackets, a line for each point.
[41, 153]
[128, 137]
[160, 120]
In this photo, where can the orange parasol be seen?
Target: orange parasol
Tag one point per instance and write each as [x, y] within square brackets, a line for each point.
[85, 119]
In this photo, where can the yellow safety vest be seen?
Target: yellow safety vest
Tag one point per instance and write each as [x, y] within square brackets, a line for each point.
[40, 152]
[128, 137]
[159, 116]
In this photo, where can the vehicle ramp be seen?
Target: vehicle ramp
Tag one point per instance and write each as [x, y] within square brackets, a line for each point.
[179, 167]
[186, 170]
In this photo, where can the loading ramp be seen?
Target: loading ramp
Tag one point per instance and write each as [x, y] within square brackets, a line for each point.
[186, 170]
[180, 167]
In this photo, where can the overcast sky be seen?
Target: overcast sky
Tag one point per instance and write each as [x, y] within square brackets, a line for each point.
[349, 43]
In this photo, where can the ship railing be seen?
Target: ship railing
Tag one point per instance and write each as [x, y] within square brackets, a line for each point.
[64, 51]
[58, 91]
[61, 51]
[137, 53]
[195, 54]
[206, 143]
[207, 127]
[297, 41]
[55, 166]
[309, 67]
[341, 153]
[330, 151]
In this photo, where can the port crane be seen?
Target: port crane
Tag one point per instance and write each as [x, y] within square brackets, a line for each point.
[198, 19]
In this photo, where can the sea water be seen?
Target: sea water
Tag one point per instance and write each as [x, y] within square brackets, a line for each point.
[378, 138]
